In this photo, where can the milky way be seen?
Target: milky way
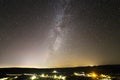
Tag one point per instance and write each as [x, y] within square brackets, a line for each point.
[57, 31]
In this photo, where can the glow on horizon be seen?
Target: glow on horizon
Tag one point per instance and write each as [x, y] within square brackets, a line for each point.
[46, 66]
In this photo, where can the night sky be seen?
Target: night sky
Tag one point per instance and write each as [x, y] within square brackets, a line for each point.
[59, 33]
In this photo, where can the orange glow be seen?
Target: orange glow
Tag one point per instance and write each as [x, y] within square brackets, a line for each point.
[94, 75]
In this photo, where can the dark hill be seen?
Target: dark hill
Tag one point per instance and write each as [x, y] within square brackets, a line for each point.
[113, 69]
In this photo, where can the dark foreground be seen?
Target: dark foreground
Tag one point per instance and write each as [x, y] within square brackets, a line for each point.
[109, 72]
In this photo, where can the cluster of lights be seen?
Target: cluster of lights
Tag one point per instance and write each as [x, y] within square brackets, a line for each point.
[105, 77]
[58, 77]
[4, 78]
[54, 76]
[33, 77]
[94, 75]
[79, 74]
[7, 78]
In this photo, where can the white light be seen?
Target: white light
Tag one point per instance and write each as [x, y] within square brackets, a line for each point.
[15, 77]
[55, 76]
[3, 78]
[91, 65]
[54, 71]
[33, 77]
[42, 75]
[63, 77]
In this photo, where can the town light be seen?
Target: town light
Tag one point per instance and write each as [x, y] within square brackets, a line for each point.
[33, 77]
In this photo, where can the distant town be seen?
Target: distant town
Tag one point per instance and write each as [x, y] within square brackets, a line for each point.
[106, 72]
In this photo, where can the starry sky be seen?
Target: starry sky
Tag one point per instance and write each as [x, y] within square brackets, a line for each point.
[59, 33]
